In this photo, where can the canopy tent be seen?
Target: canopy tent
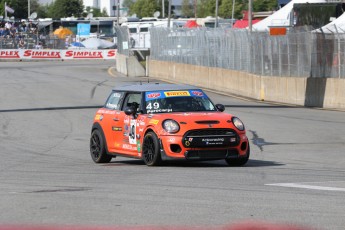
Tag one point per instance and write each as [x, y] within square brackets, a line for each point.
[240, 24]
[96, 43]
[191, 24]
[62, 32]
[336, 26]
[282, 16]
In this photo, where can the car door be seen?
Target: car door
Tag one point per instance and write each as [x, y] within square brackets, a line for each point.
[127, 142]
[108, 118]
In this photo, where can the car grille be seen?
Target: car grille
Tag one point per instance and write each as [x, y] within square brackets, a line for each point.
[211, 154]
[208, 138]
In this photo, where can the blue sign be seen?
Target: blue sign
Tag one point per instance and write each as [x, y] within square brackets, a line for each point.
[83, 29]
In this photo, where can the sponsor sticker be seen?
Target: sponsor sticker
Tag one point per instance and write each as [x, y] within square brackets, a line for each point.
[99, 117]
[154, 121]
[153, 95]
[198, 93]
[176, 93]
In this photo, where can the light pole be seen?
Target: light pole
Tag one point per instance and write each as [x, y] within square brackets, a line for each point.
[250, 15]
[118, 13]
[233, 12]
[169, 13]
[163, 9]
[216, 23]
[29, 8]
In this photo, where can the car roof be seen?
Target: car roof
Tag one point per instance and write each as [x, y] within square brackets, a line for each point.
[145, 87]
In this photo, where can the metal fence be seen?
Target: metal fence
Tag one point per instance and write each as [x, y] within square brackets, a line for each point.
[32, 41]
[123, 40]
[300, 53]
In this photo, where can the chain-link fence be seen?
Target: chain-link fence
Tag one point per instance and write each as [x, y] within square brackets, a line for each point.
[33, 41]
[301, 53]
[123, 41]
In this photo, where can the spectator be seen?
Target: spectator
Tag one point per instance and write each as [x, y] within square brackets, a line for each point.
[32, 27]
[8, 25]
[22, 26]
[6, 33]
[21, 44]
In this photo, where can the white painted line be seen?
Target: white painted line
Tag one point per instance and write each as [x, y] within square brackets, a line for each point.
[295, 185]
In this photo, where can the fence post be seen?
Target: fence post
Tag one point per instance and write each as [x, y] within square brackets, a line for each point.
[262, 57]
[279, 57]
[338, 56]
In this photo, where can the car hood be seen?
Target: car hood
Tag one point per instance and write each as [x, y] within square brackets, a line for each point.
[197, 120]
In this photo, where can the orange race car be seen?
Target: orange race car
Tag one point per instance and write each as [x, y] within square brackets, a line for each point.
[156, 122]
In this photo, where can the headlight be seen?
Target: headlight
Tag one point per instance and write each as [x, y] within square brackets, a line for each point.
[238, 123]
[171, 126]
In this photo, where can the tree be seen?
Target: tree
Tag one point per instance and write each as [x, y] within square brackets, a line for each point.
[187, 9]
[225, 9]
[20, 8]
[144, 8]
[202, 10]
[128, 4]
[96, 12]
[264, 5]
[66, 8]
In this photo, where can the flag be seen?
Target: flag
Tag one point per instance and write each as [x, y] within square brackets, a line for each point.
[9, 9]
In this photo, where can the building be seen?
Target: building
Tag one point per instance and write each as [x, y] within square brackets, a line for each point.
[108, 5]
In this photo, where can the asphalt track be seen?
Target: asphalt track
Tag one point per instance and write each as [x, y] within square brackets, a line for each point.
[296, 173]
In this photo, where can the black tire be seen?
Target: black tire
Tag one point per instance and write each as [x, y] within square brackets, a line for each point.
[239, 161]
[151, 153]
[97, 148]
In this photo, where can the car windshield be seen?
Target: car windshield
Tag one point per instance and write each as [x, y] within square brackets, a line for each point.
[177, 101]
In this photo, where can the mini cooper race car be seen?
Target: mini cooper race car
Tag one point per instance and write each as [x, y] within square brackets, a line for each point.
[157, 122]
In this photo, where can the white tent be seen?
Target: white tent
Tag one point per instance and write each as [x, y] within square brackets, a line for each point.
[96, 43]
[281, 17]
[336, 26]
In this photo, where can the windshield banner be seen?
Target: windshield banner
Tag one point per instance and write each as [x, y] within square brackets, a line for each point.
[179, 93]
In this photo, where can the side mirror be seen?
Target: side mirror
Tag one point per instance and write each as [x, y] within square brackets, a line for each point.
[129, 110]
[220, 107]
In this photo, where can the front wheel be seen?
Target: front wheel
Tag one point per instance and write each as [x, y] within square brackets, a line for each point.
[239, 161]
[97, 148]
[151, 154]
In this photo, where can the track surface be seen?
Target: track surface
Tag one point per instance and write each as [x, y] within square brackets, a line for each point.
[295, 175]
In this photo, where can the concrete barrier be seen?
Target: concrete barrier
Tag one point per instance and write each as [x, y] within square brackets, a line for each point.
[316, 92]
[129, 66]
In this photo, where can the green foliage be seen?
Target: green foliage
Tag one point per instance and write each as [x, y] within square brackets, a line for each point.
[128, 4]
[265, 5]
[144, 8]
[187, 9]
[20, 8]
[66, 8]
[202, 10]
[96, 12]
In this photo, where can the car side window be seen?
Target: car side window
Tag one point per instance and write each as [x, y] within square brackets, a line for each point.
[133, 99]
[114, 100]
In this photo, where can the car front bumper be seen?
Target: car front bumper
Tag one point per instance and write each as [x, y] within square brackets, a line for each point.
[172, 148]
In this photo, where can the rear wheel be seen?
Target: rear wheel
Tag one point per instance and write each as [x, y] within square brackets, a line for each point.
[239, 161]
[151, 154]
[97, 148]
